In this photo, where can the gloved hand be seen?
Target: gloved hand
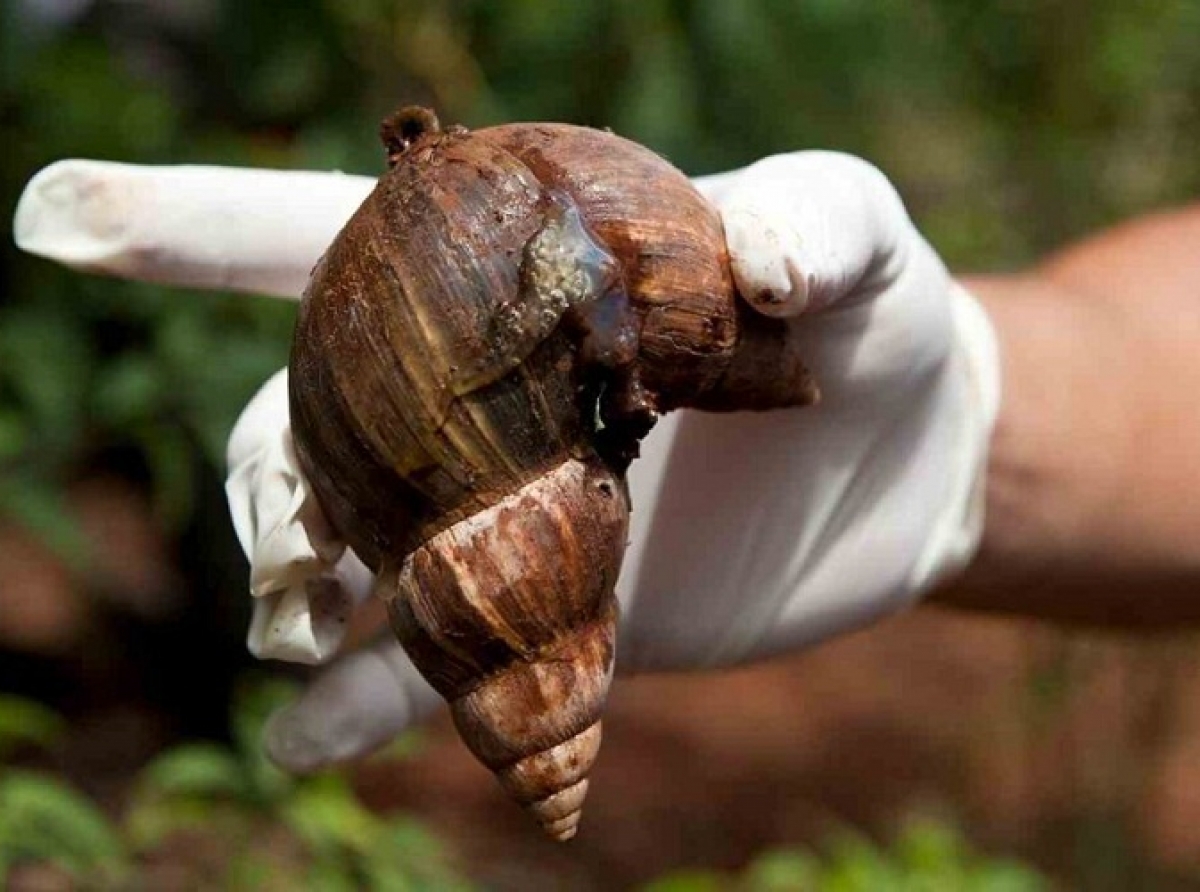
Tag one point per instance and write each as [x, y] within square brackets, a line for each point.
[752, 533]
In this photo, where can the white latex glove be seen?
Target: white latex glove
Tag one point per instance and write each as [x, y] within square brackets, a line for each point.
[752, 533]
[305, 582]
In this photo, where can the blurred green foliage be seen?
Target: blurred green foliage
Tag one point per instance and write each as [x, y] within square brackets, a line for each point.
[26, 723]
[926, 856]
[1010, 125]
[254, 824]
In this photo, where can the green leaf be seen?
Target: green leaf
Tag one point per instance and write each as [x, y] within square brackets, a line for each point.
[45, 358]
[783, 871]
[384, 875]
[253, 870]
[254, 703]
[324, 812]
[290, 77]
[333, 874]
[855, 864]
[25, 722]
[129, 389]
[689, 880]
[43, 819]
[408, 855]
[170, 455]
[196, 769]
[1002, 876]
[150, 820]
[40, 508]
[14, 433]
[91, 99]
[928, 846]
[412, 839]
[658, 99]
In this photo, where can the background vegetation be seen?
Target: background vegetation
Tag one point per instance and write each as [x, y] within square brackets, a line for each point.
[1009, 125]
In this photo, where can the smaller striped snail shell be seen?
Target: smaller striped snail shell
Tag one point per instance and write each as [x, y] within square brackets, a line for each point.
[475, 360]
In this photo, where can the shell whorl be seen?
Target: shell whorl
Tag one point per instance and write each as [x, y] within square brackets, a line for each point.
[510, 614]
[556, 806]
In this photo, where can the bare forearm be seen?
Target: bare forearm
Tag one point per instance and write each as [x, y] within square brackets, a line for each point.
[1094, 474]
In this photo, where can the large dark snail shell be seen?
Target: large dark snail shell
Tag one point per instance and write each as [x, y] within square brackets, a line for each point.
[475, 358]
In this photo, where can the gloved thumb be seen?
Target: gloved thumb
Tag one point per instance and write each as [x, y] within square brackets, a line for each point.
[356, 705]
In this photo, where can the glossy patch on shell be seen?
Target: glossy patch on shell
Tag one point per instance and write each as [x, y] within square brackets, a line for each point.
[563, 267]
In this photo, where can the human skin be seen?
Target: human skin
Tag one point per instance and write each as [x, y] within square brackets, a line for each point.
[1093, 478]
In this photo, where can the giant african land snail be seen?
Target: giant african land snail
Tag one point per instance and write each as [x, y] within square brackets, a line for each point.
[476, 358]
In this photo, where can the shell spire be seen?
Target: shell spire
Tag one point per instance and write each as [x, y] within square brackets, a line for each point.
[511, 616]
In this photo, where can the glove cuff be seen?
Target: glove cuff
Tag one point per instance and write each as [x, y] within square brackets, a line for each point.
[955, 539]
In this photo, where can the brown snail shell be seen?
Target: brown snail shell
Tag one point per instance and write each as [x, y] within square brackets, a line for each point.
[475, 360]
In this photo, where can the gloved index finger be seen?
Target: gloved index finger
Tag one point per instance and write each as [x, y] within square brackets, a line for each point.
[223, 228]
